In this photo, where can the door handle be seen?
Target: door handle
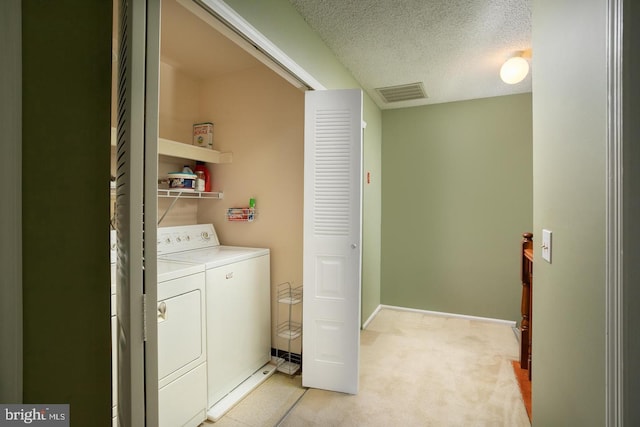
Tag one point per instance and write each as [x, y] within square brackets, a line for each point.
[162, 311]
[353, 246]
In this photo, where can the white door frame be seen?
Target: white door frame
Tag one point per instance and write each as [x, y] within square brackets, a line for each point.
[12, 365]
[614, 380]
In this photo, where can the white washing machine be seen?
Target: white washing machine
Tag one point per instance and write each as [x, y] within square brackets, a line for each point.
[182, 371]
[238, 306]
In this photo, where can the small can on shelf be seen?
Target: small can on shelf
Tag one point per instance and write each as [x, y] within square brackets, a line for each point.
[203, 135]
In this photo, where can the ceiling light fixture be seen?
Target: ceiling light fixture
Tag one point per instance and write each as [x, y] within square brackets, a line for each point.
[515, 69]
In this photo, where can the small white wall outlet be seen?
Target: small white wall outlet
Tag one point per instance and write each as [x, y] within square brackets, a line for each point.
[546, 245]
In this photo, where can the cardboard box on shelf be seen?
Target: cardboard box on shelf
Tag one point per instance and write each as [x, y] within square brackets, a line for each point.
[203, 135]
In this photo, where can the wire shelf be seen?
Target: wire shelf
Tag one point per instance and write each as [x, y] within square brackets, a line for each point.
[288, 295]
[188, 194]
[241, 214]
[289, 363]
[289, 330]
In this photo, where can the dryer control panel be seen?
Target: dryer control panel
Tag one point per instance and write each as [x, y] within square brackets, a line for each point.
[186, 237]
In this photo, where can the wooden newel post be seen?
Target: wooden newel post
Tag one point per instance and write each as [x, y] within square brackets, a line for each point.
[525, 308]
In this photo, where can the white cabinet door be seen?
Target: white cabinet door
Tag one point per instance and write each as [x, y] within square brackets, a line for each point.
[332, 239]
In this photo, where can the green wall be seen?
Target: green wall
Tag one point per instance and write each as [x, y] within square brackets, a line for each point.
[11, 207]
[283, 26]
[66, 153]
[569, 168]
[372, 212]
[457, 196]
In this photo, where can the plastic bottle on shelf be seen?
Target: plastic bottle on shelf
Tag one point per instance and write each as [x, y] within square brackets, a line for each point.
[200, 166]
[199, 180]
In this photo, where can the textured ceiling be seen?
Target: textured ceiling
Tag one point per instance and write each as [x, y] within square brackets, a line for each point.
[454, 47]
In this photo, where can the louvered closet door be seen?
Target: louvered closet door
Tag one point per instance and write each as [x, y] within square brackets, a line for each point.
[136, 211]
[332, 240]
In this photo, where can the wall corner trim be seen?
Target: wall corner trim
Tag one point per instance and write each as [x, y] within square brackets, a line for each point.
[373, 315]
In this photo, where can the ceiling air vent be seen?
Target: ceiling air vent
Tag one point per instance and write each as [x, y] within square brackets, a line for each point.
[402, 92]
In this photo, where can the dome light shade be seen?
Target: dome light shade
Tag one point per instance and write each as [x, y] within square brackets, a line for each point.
[514, 70]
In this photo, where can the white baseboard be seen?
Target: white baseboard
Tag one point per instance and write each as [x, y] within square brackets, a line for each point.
[509, 323]
[373, 315]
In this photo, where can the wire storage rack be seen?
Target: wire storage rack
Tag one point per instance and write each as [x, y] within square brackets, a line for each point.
[288, 296]
[241, 214]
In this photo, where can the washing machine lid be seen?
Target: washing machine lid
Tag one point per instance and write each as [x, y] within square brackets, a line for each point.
[218, 256]
[173, 269]
[167, 270]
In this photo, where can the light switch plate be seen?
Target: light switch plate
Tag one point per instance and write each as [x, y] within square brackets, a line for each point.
[546, 245]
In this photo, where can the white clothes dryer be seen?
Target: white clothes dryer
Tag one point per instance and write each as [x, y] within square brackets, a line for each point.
[182, 356]
[182, 353]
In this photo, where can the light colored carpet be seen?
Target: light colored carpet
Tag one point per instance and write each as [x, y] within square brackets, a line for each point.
[266, 405]
[423, 370]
